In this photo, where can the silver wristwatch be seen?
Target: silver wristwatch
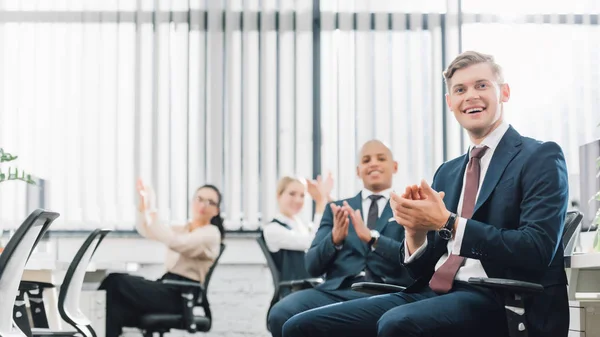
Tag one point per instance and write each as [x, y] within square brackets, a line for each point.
[374, 237]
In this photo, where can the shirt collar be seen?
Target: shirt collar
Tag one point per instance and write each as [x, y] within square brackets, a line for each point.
[493, 139]
[286, 220]
[365, 193]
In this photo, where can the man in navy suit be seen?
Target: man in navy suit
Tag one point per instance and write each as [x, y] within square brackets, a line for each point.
[499, 214]
[350, 247]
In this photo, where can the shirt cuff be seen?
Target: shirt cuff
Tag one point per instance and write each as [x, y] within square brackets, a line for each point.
[316, 221]
[459, 235]
[337, 247]
[410, 258]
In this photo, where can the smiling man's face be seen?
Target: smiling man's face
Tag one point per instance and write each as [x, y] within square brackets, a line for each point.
[376, 166]
[476, 98]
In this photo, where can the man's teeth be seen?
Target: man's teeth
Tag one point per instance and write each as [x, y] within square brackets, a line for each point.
[474, 110]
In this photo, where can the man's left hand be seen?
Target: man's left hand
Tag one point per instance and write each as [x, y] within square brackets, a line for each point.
[428, 213]
[362, 231]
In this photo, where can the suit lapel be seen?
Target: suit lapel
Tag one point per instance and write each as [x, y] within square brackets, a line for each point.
[454, 187]
[356, 204]
[507, 149]
[451, 184]
[383, 219]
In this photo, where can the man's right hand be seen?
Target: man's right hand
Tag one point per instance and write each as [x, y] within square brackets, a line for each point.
[412, 193]
[414, 238]
[340, 224]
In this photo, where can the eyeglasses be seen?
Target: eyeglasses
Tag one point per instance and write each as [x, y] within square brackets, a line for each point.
[207, 202]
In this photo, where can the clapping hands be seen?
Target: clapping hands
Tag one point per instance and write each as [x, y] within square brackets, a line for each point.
[419, 209]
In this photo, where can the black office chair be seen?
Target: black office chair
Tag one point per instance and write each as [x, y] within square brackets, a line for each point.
[514, 291]
[293, 285]
[35, 298]
[70, 291]
[12, 264]
[162, 323]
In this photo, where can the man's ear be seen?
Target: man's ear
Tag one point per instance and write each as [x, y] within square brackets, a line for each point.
[504, 93]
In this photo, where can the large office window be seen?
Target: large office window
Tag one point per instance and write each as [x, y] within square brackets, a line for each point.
[97, 93]
[94, 94]
[381, 79]
[550, 58]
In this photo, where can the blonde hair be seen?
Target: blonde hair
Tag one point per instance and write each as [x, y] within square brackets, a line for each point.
[470, 58]
[284, 183]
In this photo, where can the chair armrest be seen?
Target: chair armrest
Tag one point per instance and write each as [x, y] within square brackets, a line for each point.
[376, 288]
[184, 284]
[189, 292]
[33, 285]
[296, 285]
[509, 285]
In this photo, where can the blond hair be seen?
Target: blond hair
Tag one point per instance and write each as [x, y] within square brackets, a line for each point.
[470, 58]
[284, 183]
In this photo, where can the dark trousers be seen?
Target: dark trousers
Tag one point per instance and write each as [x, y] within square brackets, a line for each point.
[303, 300]
[466, 311]
[129, 297]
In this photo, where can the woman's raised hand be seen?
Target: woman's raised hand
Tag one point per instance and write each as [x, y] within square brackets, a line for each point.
[141, 189]
[146, 196]
[320, 189]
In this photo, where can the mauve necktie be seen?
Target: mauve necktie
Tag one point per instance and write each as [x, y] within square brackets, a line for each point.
[443, 278]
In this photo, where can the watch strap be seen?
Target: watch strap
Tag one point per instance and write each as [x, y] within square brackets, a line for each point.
[449, 225]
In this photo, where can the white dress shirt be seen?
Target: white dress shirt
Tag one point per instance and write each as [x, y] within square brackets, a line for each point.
[299, 237]
[471, 267]
[366, 202]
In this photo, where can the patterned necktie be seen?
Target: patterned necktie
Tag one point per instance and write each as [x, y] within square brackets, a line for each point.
[373, 211]
[443, 278]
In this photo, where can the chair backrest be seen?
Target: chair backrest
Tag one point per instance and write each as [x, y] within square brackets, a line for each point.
[13, 260]
[203, 299]
[214, 265]
[70, 290]
[270, 262]
[571, 231]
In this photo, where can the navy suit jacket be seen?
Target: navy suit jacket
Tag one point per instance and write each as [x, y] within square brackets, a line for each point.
[516, 227]
[339, 267]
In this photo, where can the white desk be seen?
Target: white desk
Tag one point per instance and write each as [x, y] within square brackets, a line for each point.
[51, 258]
[583, 273]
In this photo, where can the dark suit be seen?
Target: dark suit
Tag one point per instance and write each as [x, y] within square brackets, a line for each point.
[515, 232]
[341, 267]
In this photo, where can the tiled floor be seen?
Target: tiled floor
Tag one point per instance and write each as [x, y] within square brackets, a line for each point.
[239, 296]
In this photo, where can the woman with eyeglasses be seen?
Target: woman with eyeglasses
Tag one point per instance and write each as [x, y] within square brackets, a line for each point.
[287, 237]
[191, 251]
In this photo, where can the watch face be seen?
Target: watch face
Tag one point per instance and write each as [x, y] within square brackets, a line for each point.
[374, 237]
[445, 234]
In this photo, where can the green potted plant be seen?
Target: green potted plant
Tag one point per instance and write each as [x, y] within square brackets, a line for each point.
[12, 173]
[596, 221]
[597, 195]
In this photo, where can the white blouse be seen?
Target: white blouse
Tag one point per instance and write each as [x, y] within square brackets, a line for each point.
[299, 237]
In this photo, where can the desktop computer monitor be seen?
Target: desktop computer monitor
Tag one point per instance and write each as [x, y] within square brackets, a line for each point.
[589, 183]
[35, 195]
